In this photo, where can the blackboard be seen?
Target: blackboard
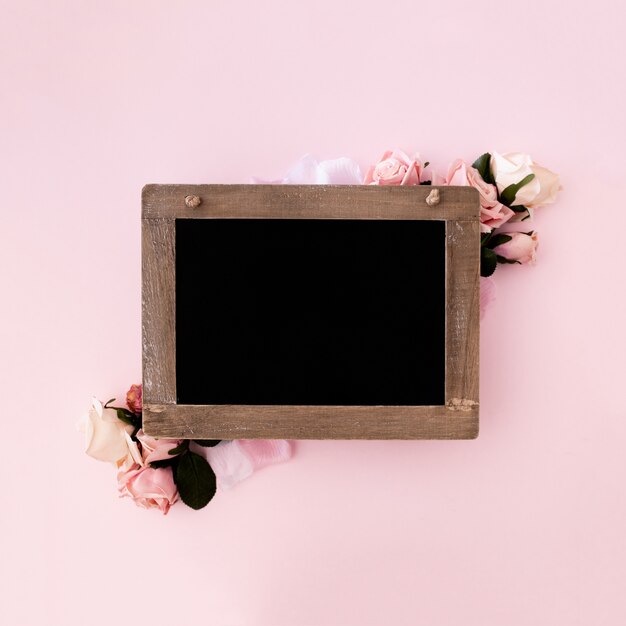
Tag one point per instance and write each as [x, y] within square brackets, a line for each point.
[315, 312]
[310, 311]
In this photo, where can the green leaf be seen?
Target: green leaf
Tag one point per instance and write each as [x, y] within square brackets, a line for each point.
[126, 416]
[106, 404]
[498, 240]
[207, 443]
[488, 262]
[484, 238]
[518, 208]
[508, 194]
[502, 259]
[483, 165]
[179, 449]
[426, 164]
[195, 480]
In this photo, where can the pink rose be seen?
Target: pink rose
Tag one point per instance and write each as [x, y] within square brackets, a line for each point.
[133, 398]
[395, 168]
[492, 213]
[156, 449]
[150, 488]
[521, 247]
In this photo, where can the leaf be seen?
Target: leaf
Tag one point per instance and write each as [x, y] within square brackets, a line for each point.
[488, 262]
[518, 208]
[179, 449]
[502, 259]
[508, 194]
[106, 404]
[127, 417]
[498, 240]
[426, 182]
[207, 443]
[483, 165]
[195, 480]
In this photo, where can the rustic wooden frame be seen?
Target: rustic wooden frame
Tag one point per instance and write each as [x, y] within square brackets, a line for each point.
[163, 417]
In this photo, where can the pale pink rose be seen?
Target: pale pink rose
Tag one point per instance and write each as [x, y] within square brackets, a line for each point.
[156, 449]
[150, 488]
[395, 168]
[233, 461]
[522, 247]
[492, 213]
[134, 398]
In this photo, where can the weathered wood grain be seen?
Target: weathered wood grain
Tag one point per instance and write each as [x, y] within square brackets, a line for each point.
[457, 419]
[310, 422]
[310, 201]
[158, 262]
[462, 313]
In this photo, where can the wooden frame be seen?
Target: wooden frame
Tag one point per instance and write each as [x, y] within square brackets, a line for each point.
[163, 417]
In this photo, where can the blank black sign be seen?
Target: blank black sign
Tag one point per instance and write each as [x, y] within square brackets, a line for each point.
[310, 312]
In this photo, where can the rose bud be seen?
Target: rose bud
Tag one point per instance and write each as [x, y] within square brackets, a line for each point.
[521, 248]
[133, 398]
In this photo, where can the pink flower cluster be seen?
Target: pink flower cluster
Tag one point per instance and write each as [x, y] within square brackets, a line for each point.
[510, 187]
[146, 466]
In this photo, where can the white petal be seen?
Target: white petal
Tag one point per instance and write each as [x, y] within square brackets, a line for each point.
[342, 171]
[97, 405]
[105, 440]
[549, 186]
[304, 172]
[230, 464]
[509, 169]
[133, 449]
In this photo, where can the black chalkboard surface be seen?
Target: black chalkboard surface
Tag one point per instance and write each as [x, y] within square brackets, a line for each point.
[310, 312]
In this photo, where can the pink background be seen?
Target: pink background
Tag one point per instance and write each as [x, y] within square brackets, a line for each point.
[526, 525]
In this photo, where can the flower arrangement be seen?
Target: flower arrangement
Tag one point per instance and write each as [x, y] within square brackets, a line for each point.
[510, 186]
[158, 473]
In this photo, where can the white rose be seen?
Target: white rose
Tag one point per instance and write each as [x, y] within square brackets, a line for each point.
[511, 168]
[106, 437]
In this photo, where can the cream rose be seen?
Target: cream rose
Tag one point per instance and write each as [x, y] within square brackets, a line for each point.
[106, 437]
[509, 169]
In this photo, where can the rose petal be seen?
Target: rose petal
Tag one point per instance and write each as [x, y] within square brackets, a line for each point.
[263, 452]
[342, 171]
[230, 463]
